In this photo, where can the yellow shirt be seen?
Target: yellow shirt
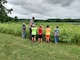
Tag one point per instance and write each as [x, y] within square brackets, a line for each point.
[48, 31]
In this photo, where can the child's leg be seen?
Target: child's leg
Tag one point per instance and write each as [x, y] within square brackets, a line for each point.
[34, 39]
[48, 39]
[38, 39]
[23, 34]
[41, 40]
[55, 39]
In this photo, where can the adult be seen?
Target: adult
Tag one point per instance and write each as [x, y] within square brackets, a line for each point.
[31, 24]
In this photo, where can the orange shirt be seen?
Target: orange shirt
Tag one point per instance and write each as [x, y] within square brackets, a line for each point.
[48, 31]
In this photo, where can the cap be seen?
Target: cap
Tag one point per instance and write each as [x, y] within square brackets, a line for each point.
[23, 23]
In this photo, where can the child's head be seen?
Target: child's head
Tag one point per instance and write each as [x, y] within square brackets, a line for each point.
[23, 24]
[57, 27]
[40, 26]
[47, 26]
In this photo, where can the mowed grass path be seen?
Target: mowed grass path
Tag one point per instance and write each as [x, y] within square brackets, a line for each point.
[16, 48]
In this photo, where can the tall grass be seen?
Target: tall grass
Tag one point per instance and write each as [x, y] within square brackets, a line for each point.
[68, 32]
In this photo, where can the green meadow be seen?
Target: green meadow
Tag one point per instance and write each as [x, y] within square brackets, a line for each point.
[13, 47]
[69, 32]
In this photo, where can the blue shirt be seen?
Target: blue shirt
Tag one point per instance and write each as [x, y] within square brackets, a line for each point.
[56, 32]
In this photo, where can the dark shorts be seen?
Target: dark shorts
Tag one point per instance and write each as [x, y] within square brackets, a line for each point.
[39, 36]
[33, 35]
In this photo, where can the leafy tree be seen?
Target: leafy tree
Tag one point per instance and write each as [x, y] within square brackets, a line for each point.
[3, 11]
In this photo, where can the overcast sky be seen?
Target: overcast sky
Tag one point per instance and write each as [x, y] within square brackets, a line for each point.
[44, 9]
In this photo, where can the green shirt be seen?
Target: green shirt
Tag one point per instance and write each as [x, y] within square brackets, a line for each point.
[34, 30]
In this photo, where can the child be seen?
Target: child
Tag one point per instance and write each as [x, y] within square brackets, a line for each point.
[56, 34]
[40, 31]
[34, 30]
[23, 31]
[48, 33]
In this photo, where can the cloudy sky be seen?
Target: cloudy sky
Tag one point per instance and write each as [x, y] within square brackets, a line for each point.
[44, 9]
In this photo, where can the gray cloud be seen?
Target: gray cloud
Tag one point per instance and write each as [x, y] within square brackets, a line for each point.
[31, 6]
[17, 2]
[45, 8]
[62, 2]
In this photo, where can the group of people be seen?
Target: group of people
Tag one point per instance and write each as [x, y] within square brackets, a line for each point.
[34, 30]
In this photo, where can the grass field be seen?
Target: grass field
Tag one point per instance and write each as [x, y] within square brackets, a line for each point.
[69, 32]
[16, 48]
